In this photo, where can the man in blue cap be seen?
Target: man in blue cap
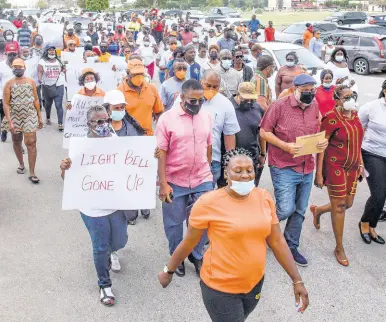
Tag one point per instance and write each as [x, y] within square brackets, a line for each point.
[292, 177]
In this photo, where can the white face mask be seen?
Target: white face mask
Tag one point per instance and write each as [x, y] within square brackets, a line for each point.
[51, 56]
[339, 58]
[349, 105]
[226, 64]
[9, 37]
[327, 85]
[330, 43]
[195, 39]
[290, 63]
[242, 188]
[90, 85]
[146, 43]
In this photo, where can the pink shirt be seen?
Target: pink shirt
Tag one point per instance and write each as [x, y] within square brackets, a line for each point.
[186, 139]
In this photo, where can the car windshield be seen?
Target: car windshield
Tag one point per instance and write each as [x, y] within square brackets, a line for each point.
[338, 14]
[295, 29]
[305, 58]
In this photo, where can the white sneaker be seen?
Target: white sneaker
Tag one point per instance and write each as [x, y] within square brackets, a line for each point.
[115, 265]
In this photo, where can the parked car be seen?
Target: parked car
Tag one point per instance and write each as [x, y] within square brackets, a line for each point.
[346, 18]
[294, 33]
[372, 29]
[195, 14]
[7, 25]
[224, 12]
[366, 52]
[379, 20]
[172, 13]
[278, 51]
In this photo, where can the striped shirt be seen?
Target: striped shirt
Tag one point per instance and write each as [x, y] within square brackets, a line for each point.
[262, 86]
[24, 37]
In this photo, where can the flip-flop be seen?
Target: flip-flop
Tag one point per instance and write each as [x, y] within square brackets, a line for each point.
[34, 179]
[316, 217]
[20, 170]
[343, 262]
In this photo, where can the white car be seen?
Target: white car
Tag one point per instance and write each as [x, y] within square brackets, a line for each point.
[195, 14]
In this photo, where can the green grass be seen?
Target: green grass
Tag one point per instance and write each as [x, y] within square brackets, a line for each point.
[287, 18]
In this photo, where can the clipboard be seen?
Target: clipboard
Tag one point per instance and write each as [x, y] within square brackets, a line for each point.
[310, 143]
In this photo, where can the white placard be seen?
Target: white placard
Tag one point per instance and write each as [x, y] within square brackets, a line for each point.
[69, 58]
[31, 67]
[111, 173]
[76, 118]
[52, 34]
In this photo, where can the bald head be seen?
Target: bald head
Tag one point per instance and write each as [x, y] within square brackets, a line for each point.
[211, 74]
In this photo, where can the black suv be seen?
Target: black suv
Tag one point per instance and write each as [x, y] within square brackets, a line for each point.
[347, 18]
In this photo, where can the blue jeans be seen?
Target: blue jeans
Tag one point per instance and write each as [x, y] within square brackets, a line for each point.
[176, 212]
[161, 76]
[215, 167]
[58, 99]
[292, 192]
[108, 234]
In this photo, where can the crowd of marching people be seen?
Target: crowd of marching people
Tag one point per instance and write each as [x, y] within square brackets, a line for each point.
[216, 123]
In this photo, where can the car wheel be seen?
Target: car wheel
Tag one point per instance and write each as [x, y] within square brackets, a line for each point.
[340, 22]
[298, 42]
[361, 66]
[363, 22]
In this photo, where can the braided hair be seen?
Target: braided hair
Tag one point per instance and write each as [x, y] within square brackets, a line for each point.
[234, 153]
[382, 93]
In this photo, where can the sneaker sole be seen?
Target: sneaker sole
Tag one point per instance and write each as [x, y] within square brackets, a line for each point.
[115, 270]
[301, 265]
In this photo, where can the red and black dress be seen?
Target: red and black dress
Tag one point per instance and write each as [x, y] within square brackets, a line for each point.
[343, 153]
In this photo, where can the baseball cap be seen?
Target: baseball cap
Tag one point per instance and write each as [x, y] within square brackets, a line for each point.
[18, 62]
[136, 66]
[304, 79]
[70, 27]
[11, 48]
[114, 97]
[247, 91]
[88, 71]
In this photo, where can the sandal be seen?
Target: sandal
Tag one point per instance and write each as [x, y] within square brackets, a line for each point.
[107, 300]
[60, 127]
[34, 179]
[20, 170]
[316, 217]
[343, 262]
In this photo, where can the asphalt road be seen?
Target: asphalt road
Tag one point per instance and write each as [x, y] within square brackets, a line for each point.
[47, 271]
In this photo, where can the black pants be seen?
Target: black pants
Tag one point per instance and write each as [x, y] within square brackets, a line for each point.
[225, 307]
[2, 115]
[376, 167]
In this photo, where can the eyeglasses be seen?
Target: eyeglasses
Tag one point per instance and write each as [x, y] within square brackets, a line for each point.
[239, 57]
[195, 101]
[226, 58]
[101, 122]
[181, 68]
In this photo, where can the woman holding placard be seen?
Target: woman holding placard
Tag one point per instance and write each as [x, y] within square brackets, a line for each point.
[341, 165]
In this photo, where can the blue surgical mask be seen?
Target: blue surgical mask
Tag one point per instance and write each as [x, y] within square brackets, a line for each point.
[242, 188]
[118, 115]
[226, 64]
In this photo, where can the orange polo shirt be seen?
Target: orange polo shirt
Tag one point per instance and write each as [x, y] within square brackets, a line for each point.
[307, 36]
[98, 93]
[237, 229]
[142, 105]
[73, 37]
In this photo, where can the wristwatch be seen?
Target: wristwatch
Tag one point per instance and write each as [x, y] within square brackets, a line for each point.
[166, 270]
[262, 154]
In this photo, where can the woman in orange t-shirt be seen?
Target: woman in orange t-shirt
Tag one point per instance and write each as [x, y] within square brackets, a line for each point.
[240, 220]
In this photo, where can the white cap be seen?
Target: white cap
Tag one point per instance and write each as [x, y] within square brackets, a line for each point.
[114, 97]
[70, 27]
[87, 39]
[105, 31]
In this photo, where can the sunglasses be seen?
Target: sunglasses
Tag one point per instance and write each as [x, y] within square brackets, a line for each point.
[226, 58]
[182, 68]
[195, 101]
[101, 122]
[239, 57]
[103, 47]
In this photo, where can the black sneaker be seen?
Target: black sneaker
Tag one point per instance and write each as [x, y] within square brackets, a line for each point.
[299, 258]
[145, 213]
[196, 262]
[382, 217]
[180, 271]
[3, 136]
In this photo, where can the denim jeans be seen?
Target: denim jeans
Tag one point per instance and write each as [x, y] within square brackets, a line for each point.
[215, 167]
[161, 76]
[176, 212]
[58, 99]
[108, 234]
[292, 192]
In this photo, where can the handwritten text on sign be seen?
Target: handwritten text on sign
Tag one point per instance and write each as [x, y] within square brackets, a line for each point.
[76, 118]
[111, 173]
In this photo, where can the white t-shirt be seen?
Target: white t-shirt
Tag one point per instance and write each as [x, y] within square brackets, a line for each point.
[208, 65]
[147, 54]
[5, 75]
[224, 121]
[140, 39]
[201, 61]
[52, 73]
[165, 58]
[212, 41]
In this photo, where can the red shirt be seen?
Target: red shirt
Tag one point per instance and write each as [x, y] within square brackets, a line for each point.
[186, 37]
[324, 97]
[269, 34]
[18, 23]
[287, 120]
[158, 27]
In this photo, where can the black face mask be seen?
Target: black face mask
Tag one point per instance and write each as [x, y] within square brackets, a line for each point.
[103, 49]
[213, 56]
[192, 109]
[174, 28]
[38, 42]
[307, 97]
[18, 72]
[187, 29]
[120, 31]
[246, 105]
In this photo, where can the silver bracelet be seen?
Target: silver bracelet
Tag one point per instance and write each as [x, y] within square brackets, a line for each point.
[298, 282]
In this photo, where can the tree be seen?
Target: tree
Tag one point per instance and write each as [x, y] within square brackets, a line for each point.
[4, 4]
[97, 5]
[42, 4]
[81, 3]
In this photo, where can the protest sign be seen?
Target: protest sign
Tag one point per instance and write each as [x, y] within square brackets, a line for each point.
[69, 58]
[108, 78]
[52, 34]
[31, 68]
[76, 122]
[111, 173]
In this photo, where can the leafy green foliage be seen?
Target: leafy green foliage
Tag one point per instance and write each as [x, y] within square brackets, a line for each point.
[95, 5]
